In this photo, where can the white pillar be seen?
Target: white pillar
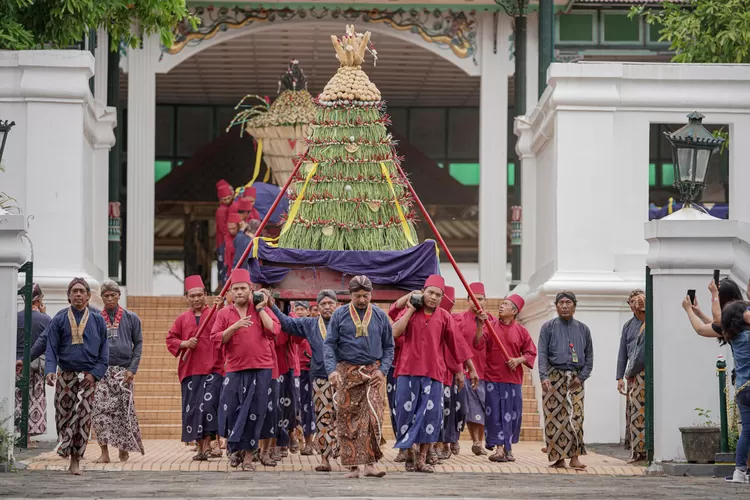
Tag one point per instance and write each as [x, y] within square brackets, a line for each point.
[140, 178]
[13, 253]
[532, 61]
[678, 257]
[493, 152]
[101, 63]
[739, 174]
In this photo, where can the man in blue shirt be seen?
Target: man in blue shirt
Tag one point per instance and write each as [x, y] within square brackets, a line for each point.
[77, 343]
[314, 329]
[358, 354]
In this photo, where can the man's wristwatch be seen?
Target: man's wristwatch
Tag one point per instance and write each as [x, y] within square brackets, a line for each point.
[261, 309]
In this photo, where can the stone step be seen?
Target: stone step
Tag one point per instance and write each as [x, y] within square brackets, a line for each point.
[173, 417]
[157, 388]
[155, 348]
[161, 431]
[165, 375]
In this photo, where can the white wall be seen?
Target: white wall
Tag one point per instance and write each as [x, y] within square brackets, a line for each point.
[588, 143]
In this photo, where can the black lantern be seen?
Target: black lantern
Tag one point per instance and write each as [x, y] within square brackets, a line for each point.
[692, 147]
[5, 127]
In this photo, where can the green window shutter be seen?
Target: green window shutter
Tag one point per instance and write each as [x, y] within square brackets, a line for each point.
[619, 28]
[511, 174]
[465, 173]
[576, 27]
[652, 174]
[161, 169]
[667, 174]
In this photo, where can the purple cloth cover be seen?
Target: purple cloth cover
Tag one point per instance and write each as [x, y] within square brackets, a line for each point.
[406, 269]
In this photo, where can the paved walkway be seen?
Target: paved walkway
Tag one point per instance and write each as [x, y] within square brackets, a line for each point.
[287, 485]
[174, 456]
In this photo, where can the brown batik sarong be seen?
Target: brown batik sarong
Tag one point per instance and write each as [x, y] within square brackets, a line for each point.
[359, 413]
[325, 418]
[637, 400]
[114, 417]
[37, 403]
[73, 406]
[628, 411]
[563, 418]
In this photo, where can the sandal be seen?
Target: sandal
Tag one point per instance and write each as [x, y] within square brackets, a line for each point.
[401, 457]
[267, 460]
[444, 454]
[275, 454]
[294, 447]
[455, 448]
[432, 457]
[235, 459]
[323, 468]
[307, 450]
[284, 452]
[256, 456]
[409, 460]
[248, 466]
[477, 450]
[510, 457]
[423, 466]
[200, 457]
[498, 456]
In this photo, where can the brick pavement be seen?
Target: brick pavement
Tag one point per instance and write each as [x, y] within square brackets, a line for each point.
[168, 455]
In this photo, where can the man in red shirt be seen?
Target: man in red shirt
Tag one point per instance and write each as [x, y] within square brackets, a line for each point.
[224, 193]
[477, 335]
[233, 227]
[429, 333]
[200, 373]
[504, 395]
[246, 331]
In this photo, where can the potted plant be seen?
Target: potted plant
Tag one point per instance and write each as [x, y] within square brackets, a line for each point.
[702, 441]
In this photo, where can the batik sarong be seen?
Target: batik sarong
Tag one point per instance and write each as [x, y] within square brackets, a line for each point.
[563, 418]
[243, 408]
[390, 392]
[221, 266]
[114, 417]
[325, 418]
[462, 404]
[419, 410]
[73, 405]
[271, 422]
[200, 404]
[37, 422]
[288, 403]
[454, 413]
[359, 413]
[306, 409]
[637, 400]
[475, 399]
[504, 410]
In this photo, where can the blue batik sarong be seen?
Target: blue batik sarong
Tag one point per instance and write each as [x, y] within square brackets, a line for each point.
[390, 392]
[271, 421]
[503, 414]
[288, 402]
[306, 408]
[200, 400]
[243, 408]
[419, 411]
[475, 400]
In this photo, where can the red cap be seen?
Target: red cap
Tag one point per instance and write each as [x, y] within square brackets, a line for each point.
[449, 298]
[222, 182]
[245, 204]
[194, 281]
[241, 276]
[234, 218]
[223, 191]
[313, 303]
[436, 281]
[517, 301]
[477, 288]
[250, 193]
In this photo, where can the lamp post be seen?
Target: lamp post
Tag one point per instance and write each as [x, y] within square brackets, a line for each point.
[692, 147]
[5, 127]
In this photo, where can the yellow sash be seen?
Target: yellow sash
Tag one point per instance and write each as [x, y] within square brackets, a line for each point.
[404, 225]
[322, 327]
[363, 324]
[76, 330]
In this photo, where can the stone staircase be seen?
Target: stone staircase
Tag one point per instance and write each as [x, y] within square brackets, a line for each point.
[157, 393]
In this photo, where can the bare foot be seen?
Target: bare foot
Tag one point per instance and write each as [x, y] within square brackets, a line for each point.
[353, 473]
[103, 459]
[373, 471]
[124, 455]
[74, 468]
[576, 464]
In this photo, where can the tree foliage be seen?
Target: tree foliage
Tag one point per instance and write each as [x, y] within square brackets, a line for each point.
[36, 24]
[703, 31]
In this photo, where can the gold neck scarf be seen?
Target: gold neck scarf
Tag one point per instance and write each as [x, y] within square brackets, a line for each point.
[363, 324]
[77, 330]
[322, 327]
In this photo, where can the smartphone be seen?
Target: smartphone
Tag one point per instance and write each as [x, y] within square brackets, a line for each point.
[691, 294]
[716, 277]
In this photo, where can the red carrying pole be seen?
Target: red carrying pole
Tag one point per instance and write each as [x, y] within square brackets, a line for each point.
[246, 253]
[450, 258]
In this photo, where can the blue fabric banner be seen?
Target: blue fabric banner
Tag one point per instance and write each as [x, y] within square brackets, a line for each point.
[406, 269]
